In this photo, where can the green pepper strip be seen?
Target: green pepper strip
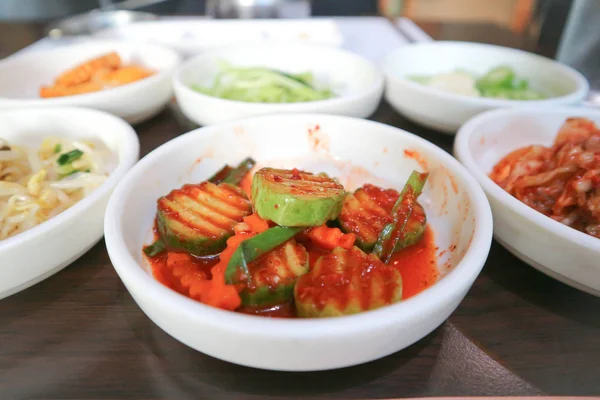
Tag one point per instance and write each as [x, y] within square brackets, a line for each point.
[237, 174]
[390, 236]
[233, 176]
[155, 248]
[68, 158]
[249, 250]
[220, 175]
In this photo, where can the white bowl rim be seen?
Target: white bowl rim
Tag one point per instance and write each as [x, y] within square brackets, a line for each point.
[573, 97]
[100, 95]
[130, 149]
[466, 269]
[377, 86]
[461, 150]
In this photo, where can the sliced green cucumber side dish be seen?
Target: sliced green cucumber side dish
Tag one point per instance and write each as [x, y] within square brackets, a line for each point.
[264, 85]
[297, 246]
[347, 282]
[200, 218]
[272, 276]
[296, 198]
[500, 82]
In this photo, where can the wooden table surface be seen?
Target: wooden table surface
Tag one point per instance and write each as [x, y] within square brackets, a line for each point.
[79, 334]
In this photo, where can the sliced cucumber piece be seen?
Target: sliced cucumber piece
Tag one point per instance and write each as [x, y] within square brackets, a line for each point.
[365, 213]
[499, 77]
[251, 249]
[200, 218]
[296, 198]
[273, 275]
[392, 237]
[346, 282]
[414, 229]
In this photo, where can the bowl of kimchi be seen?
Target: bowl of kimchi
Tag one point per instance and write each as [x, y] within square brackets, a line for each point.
[298, 252]
[541, 172]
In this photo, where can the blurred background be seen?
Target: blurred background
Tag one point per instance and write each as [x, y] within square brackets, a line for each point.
[562, 29]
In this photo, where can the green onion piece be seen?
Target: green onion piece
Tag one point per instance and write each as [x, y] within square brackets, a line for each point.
[220, 175]
[392, 233]
[155, 248]
[69, 157]
[233, 176]
[249, 250]
[237, 174]
[57, 148]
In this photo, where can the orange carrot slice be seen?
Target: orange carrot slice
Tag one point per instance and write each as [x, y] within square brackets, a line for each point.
[125, 75]
[330, 238]
[216, 292]
[60, 91]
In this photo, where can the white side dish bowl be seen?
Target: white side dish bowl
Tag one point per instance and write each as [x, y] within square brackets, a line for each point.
[22, 75]
[33, 255]
[561, 252]
[445, 111]
[456, 207]
[356, 82]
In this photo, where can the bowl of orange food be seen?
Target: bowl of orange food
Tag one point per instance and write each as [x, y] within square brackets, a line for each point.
[541, 172]
[303, 252]
[128, 80]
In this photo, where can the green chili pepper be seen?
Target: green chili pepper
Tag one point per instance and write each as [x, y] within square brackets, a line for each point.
[155, 248]
[391, 235]
[231, 175]
[249, 250]
[237, 174]
[69, 157]
[220, 175]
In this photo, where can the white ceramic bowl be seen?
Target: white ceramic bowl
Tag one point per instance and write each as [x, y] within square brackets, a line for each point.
[31, 256]
[358, 83]
[555, 249]
[445, 111]
[456, 207]
[22, 75]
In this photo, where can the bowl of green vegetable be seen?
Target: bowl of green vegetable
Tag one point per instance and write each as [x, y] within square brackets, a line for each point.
[443, 84]
[242, 81]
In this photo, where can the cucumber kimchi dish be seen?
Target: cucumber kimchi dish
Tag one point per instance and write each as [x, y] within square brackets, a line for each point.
[289, 243]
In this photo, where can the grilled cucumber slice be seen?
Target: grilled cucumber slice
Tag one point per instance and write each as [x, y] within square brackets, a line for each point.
[346, 282]
[415, 228]
[365, 213]
[296, 198]
[200, 218]
[368, 210]
[273, 275]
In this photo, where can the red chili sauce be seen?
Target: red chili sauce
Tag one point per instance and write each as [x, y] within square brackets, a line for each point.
[417, 266]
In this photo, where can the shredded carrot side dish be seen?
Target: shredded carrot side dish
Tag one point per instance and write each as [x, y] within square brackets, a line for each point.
[100, 73]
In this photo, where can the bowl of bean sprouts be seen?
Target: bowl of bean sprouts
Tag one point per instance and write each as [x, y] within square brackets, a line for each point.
[58, 167]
